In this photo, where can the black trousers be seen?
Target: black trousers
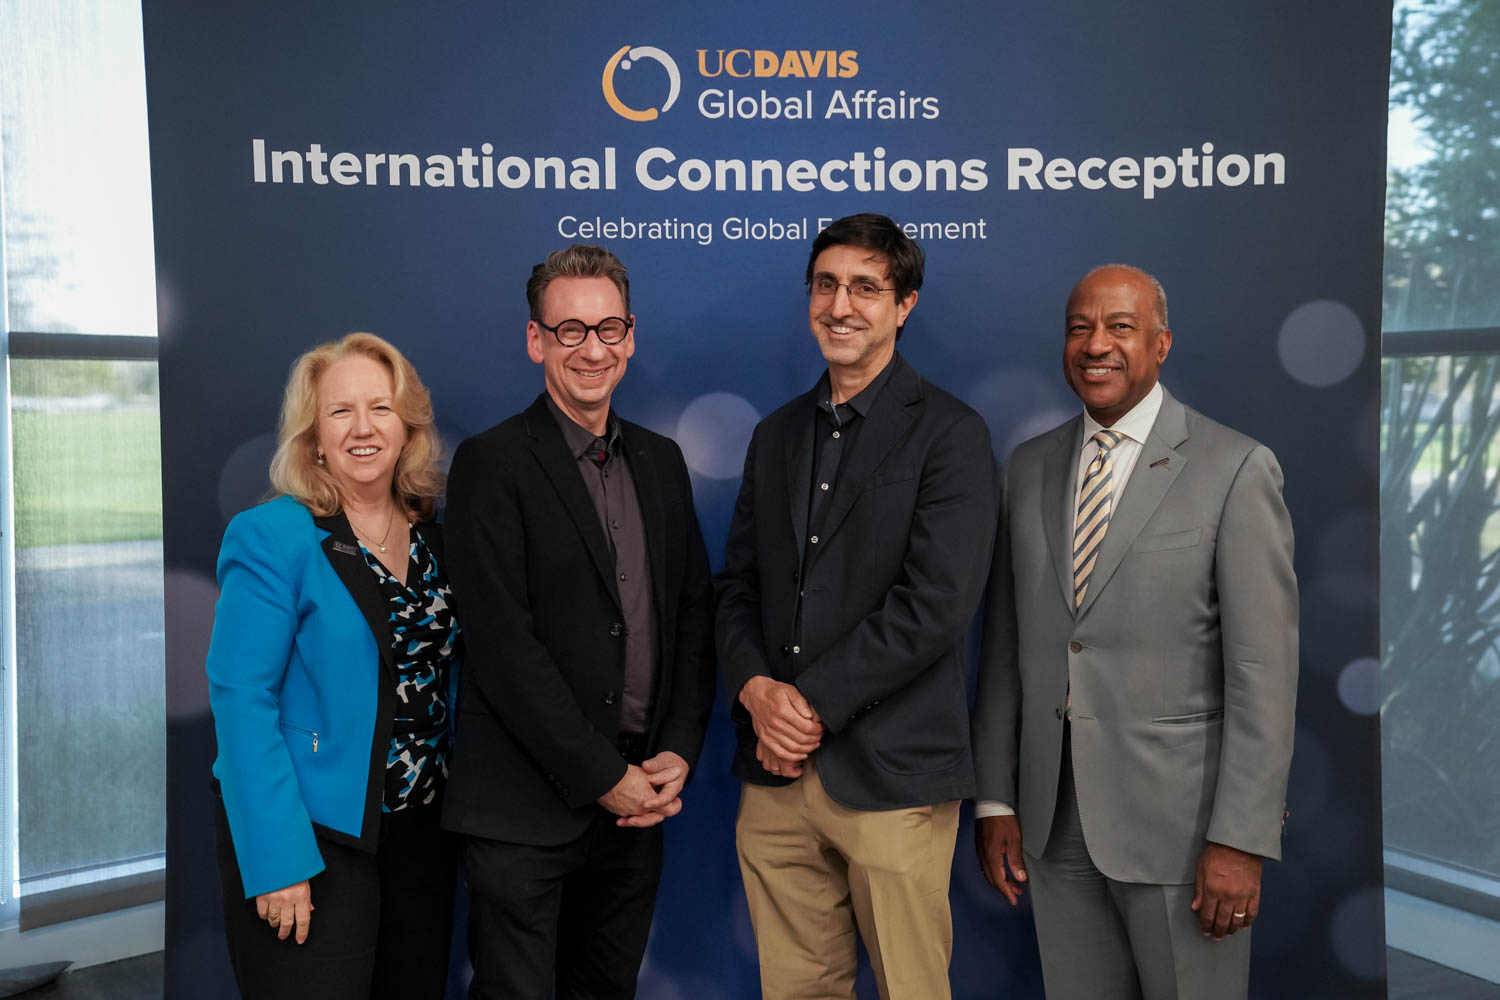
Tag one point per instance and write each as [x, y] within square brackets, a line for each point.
[381, 922]
[573, 918]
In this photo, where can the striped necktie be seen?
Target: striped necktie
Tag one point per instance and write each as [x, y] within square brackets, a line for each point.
[1094, 503]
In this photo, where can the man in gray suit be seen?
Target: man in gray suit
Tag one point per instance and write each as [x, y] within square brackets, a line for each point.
[1133, 727]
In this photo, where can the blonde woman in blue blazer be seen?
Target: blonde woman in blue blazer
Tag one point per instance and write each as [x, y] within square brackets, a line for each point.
[331, 673]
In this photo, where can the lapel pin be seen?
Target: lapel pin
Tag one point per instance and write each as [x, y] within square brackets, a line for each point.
[1159, 461]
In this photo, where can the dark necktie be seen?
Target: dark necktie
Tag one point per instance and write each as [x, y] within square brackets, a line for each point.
[598, 452]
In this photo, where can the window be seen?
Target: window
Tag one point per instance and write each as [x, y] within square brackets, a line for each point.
[84, 721]
[1440, 484]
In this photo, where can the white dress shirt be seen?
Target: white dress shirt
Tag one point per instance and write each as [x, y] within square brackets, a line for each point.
[1135, 425]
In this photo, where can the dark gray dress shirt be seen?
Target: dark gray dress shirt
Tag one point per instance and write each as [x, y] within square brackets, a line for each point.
[612, 489]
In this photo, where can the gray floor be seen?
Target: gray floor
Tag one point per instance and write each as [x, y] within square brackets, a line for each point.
[1411, 978]
[131, 979]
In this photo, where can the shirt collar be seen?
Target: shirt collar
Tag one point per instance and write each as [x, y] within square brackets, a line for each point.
[863, 400]
[580, 439]
[1136, 424]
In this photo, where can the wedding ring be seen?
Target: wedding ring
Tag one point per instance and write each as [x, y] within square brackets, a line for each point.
[1239, 916]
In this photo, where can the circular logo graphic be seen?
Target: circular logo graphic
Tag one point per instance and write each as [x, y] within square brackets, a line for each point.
[623, 59]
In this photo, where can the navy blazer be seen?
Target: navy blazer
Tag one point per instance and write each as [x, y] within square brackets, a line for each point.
[545, 633]
[301, 683]
[887, 592]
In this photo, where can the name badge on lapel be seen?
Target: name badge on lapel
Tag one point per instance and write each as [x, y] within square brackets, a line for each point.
[345, 548]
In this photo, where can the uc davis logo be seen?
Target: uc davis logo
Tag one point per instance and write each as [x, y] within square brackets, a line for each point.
[623, 59]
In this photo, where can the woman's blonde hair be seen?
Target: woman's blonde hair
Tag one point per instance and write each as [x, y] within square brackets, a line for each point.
[295, 470]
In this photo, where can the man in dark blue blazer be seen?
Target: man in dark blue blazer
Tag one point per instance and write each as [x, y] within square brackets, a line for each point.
[578, 564]
[855, 560]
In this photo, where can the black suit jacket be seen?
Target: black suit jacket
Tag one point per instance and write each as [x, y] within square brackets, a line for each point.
[888, 591]
[545, 642]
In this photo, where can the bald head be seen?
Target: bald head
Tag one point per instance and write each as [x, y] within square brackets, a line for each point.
[1116, 339]
[1158, 293]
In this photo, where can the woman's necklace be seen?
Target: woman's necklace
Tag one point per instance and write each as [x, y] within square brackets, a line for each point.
[389, 520]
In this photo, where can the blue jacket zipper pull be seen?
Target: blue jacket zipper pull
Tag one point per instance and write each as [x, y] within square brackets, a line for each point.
[315, 742]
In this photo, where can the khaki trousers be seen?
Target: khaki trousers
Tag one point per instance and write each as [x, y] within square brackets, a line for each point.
[815, 871]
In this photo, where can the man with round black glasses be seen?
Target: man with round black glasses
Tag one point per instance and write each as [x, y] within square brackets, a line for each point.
[588, 676]
[856, 558]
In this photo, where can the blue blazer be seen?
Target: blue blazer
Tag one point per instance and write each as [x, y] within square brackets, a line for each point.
[301, 683]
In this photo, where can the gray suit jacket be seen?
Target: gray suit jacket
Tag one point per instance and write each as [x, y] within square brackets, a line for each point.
[1182, 660]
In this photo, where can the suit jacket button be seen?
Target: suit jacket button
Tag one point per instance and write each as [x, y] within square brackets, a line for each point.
[796, 576]
[1059, 713]
[617, 629]
[786, 650]
[1075, 646]
[609, 697]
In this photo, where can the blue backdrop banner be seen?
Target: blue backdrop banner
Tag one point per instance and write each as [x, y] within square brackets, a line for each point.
[399, 168]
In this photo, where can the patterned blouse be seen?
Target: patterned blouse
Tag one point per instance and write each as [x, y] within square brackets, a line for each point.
[423, 633]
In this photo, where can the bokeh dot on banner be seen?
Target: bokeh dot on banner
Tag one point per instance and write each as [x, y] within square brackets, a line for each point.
[1018, 404]
[1346, 588]
[1359, 919]
[1029, 428]
[1321, 343]
[1359, 685]
[661, 985]
[714, 433]
[245, 476]
[192, 597]
[168, 309]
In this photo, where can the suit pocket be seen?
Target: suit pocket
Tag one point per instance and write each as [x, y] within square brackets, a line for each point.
[1195, 719]
[1167, 540]
[1197, 734]
[886, 477]
[300, 735]
[920, 731]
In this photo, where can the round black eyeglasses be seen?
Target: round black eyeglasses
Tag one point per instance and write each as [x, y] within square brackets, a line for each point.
[573, 332]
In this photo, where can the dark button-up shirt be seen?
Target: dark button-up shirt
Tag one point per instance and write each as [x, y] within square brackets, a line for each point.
[835, 428]
[612, 489]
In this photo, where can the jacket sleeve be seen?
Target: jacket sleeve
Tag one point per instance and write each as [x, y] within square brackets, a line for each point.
[942, 578]
[996, 723]
[738, 635]
[692, 694]
[255, 623]
[1258, 613]
[507, 670]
